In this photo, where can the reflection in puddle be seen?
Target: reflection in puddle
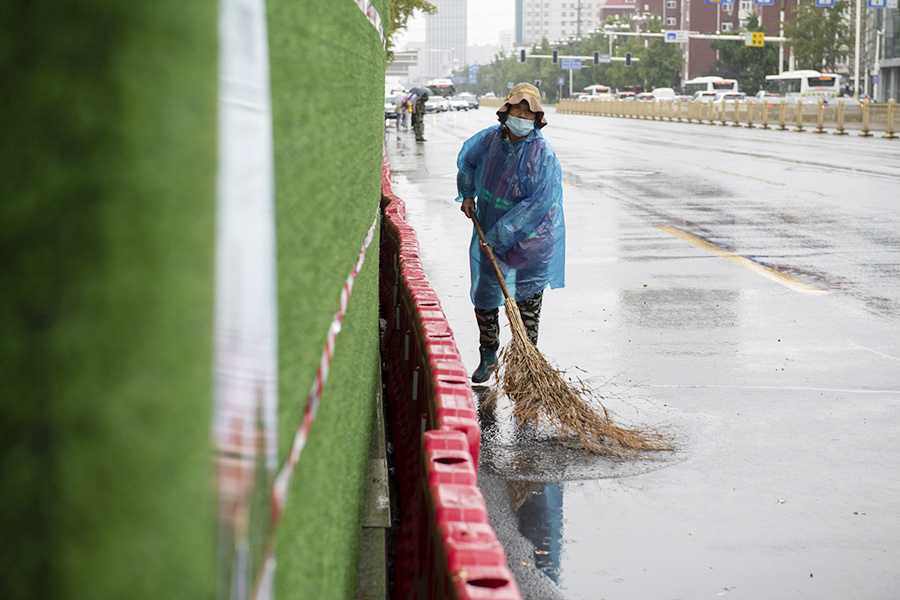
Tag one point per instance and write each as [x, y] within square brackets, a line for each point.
[538, 510]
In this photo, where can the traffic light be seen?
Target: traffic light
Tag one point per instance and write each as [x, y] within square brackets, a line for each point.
[628, 59]
[596, 58]
[522, 55]
[555, 56]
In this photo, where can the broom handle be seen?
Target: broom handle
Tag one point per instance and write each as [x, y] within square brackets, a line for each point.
[490, 254]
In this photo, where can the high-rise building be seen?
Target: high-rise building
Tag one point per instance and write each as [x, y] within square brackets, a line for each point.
[445, 38]
[555, 20]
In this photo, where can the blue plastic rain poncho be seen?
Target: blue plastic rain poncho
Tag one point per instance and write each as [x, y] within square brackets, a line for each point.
[518, 187]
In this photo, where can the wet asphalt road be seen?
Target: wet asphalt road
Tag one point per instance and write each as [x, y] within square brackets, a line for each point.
[739, 288]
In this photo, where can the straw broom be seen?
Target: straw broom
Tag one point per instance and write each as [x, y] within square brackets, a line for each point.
[542, 396]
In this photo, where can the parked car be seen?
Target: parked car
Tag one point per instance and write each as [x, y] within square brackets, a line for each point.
[437, 104]
[663, 94]
[390, 107]
[729, 98]
[850, 103]
[472, 99]
[458, 103]
[767, 98]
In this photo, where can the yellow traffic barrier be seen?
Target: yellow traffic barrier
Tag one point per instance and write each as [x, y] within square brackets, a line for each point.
[820, 117]
[799, 126]
[765, 115]
[781, 112]
[749, 124]
[889, 134]
[737, 112]
[866, 114]
[840, 119]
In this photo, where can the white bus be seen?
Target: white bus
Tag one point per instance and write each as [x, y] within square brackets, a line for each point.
[711, 83]
[796, 84]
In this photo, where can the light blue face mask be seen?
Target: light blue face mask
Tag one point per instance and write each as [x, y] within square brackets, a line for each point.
[519, 127]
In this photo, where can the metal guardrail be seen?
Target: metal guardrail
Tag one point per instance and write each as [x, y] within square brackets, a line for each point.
[839, 116]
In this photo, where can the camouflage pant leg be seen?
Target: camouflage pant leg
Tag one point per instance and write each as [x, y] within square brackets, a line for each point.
[488, 328]
[419, 126]
[530, 309]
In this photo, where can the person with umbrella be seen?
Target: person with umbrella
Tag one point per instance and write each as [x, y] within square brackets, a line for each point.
[420, 96]
[404, 109]
[516, 178]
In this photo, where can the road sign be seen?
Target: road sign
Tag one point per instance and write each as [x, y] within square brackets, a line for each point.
[510, 85]
[754, 38]
[560, 81]
[877, 3]
[571, 64]
[825, 3]
[604, 58]
[677, 36]
[473, 73]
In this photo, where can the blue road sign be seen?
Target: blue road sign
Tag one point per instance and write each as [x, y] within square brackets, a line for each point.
[570, 64]
[560, 81]
[473, 73]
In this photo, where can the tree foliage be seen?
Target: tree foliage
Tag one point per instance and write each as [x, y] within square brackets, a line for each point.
[401, 11]
[748, 64]
[821, 37]
[657, 65]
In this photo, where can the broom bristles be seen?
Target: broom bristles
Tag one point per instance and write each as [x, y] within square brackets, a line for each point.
[542, 396]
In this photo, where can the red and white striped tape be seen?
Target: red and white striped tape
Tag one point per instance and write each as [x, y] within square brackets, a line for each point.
[283, 479]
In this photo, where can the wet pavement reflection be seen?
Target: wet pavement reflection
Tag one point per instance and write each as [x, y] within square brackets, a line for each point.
[784, 406]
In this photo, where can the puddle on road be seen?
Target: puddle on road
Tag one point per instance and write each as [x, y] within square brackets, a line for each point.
[530, 454]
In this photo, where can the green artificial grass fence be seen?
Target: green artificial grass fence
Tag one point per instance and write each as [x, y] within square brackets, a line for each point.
[328, 151]
[107, 236]
[107, 230]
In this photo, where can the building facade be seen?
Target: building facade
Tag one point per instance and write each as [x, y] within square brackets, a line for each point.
[886, 86]
[555, 20]
[446, 38]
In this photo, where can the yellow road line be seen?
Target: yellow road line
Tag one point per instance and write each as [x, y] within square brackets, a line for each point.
[785, 280]
[744, 176]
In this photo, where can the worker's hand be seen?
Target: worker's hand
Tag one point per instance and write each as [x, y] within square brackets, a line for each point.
[468, 207]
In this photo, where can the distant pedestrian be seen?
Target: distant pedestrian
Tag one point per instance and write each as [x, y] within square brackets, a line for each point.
[421, 95]
[404, 110]
[515, 176]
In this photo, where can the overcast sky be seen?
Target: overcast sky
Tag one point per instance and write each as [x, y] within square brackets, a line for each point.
[487, 18]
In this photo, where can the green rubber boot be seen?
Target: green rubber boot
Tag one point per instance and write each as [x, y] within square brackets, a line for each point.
[487, 367]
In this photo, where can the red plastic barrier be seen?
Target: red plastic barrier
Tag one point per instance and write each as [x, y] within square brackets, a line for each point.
[476, 582]
[445, 548]
[471, 544]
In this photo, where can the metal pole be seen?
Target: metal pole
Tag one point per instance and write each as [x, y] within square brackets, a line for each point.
[781, 44]
[856, 60]
[877, 64]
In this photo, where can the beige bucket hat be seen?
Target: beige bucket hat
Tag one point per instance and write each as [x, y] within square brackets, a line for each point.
[528, 93]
